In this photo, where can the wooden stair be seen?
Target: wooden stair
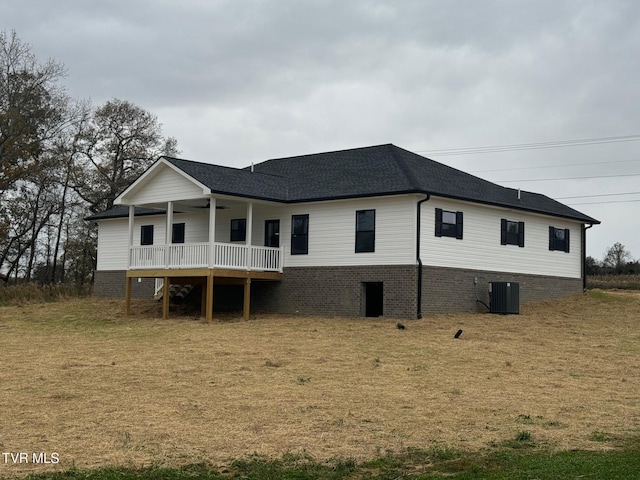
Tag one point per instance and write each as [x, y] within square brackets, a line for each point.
[176, 292]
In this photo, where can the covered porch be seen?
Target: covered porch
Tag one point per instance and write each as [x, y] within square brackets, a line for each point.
[178, 259]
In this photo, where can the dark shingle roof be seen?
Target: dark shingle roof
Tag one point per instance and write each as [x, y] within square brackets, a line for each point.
[363, 172]
[234, 181]
[123, 211]
[387, 169]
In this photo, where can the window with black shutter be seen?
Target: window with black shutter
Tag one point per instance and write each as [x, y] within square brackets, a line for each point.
[559, 239]
[448, 224]
[511, 232]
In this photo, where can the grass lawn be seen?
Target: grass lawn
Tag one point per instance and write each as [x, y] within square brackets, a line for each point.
[356, 397]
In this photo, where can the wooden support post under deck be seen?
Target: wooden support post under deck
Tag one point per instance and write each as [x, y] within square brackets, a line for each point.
[127, 295]
[209, 299]
[203, 300]
[166, 286]
[247, 299]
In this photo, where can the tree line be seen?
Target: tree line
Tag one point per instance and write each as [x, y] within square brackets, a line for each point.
[61, 159]
[617, 260]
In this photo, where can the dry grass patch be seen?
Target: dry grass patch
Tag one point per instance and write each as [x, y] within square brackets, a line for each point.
[80, 379]
[623, 282]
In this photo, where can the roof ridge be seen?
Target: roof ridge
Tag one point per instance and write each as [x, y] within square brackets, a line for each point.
[404, 168]
[213, 165]
[329, 152]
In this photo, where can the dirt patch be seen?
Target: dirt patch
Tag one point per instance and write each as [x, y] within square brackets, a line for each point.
[81, 380]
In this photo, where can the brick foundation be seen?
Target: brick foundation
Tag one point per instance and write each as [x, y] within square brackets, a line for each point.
[110, 283]
[452, 290]
[337, 291]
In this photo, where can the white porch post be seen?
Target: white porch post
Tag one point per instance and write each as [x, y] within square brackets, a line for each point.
[249, 232]
[167, 248]
[212, 232]
[131, 223]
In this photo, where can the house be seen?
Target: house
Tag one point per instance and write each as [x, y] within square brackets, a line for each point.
[362, 232]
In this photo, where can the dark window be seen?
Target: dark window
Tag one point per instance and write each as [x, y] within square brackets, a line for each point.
[177, 234]
[365, 231]
[559, 239]
[448, 224]
[146, 235]
[272, 233]
[238, 230]
[299, 234]
[511, 233]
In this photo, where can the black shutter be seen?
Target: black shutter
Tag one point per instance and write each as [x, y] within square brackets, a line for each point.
[438, 222]
[566, 239]
[503, 231]
[459, 225]
[521, 234]
[552, 238]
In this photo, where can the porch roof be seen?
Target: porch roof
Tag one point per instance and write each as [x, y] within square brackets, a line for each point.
[120, 211]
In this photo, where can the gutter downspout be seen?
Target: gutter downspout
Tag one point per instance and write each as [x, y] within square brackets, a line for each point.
[584, 256]
[419, 297]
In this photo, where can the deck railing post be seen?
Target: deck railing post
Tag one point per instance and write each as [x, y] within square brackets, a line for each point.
[168, 237]
[212, 233]
[130, 240]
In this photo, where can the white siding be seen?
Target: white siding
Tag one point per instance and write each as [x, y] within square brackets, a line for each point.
[332, 230]
[112, 244]
[113, 236]
[332, 236]
[480, 247]
[166, 185]
[332, 227]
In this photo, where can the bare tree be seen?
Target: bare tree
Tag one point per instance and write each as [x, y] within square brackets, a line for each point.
[58, 159]
[116, 146]
[616, 258]
[32, 107]
[34, 114]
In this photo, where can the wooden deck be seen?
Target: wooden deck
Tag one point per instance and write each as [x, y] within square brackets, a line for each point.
[206, 277]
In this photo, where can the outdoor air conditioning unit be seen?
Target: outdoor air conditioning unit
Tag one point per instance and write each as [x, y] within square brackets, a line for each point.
[504, 297]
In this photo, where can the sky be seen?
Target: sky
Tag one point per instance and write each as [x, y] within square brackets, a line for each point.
[554, 83]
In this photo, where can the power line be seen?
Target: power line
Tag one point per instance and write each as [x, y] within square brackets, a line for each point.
[601, 195]
[530, 146]
[553, 166]
[567, 178]
[601, 203]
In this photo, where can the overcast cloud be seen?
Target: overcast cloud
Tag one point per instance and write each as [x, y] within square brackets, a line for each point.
[242, 81]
